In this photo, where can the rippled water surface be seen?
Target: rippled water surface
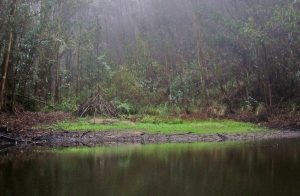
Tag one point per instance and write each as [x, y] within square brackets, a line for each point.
[259, 168]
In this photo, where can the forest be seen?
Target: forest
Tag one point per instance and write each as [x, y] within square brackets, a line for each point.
[151, 56]
[149, 97]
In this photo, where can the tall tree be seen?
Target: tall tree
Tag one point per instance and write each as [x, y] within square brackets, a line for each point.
[7, 56]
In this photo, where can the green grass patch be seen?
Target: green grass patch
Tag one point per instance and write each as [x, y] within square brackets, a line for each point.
[164, 126]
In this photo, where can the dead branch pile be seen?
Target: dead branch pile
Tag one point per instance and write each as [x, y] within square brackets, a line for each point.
[97, 105]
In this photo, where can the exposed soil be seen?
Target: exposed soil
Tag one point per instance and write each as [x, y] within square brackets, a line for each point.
[27, 120]
[65, 139]
[284, 121]
[19, 131]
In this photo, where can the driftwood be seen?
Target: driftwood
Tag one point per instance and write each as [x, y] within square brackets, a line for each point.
[97, 105]
[7, 139]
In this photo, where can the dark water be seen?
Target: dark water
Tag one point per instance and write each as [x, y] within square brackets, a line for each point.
[263, 168]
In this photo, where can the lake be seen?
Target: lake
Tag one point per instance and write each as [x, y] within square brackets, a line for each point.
[232, 168]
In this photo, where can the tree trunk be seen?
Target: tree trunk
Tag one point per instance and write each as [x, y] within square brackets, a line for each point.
[6, 59]
[270, 94]
[78, 64]
[57, 79]
[201, 61]
[4, 71]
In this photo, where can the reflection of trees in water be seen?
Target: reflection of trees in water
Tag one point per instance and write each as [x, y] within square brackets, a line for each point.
[218, 169]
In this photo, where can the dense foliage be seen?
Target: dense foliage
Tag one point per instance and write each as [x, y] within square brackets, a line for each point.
[219, 55]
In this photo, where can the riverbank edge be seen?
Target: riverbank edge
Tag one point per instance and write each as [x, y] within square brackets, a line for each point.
[17, 130]
[79, 139]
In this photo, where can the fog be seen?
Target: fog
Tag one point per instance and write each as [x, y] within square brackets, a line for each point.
[158, 51]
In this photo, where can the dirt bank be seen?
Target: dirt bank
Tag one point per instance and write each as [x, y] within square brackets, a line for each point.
[27, 120]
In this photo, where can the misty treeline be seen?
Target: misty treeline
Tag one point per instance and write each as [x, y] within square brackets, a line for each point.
[232, 54]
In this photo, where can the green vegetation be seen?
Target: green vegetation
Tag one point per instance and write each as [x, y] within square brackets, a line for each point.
[242, 56]
[164, 126]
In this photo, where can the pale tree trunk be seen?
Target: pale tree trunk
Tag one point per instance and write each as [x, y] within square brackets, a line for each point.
[169, 71]
[78, 64]
[201, 60]
[57, 79]
[6, 60]
[270, 94]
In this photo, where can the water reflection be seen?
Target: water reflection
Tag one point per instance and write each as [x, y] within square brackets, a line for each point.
[265, 168]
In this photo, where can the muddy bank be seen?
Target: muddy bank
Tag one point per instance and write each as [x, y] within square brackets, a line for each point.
[18, 130]
[65, 139]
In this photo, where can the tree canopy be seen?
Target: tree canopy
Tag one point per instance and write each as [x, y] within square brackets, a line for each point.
[191, 53]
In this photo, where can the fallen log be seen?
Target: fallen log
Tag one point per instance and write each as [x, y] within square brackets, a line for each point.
[10, 140]
[7, 139]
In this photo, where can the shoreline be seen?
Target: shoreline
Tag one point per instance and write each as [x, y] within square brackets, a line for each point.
[80, 139]
[19, 129]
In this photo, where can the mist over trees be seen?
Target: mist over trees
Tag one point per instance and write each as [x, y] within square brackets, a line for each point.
[237, 54]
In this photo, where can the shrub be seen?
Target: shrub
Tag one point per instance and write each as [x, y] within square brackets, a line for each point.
[149, 110]
[124, 107]
[67, 105]
[260, 109]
